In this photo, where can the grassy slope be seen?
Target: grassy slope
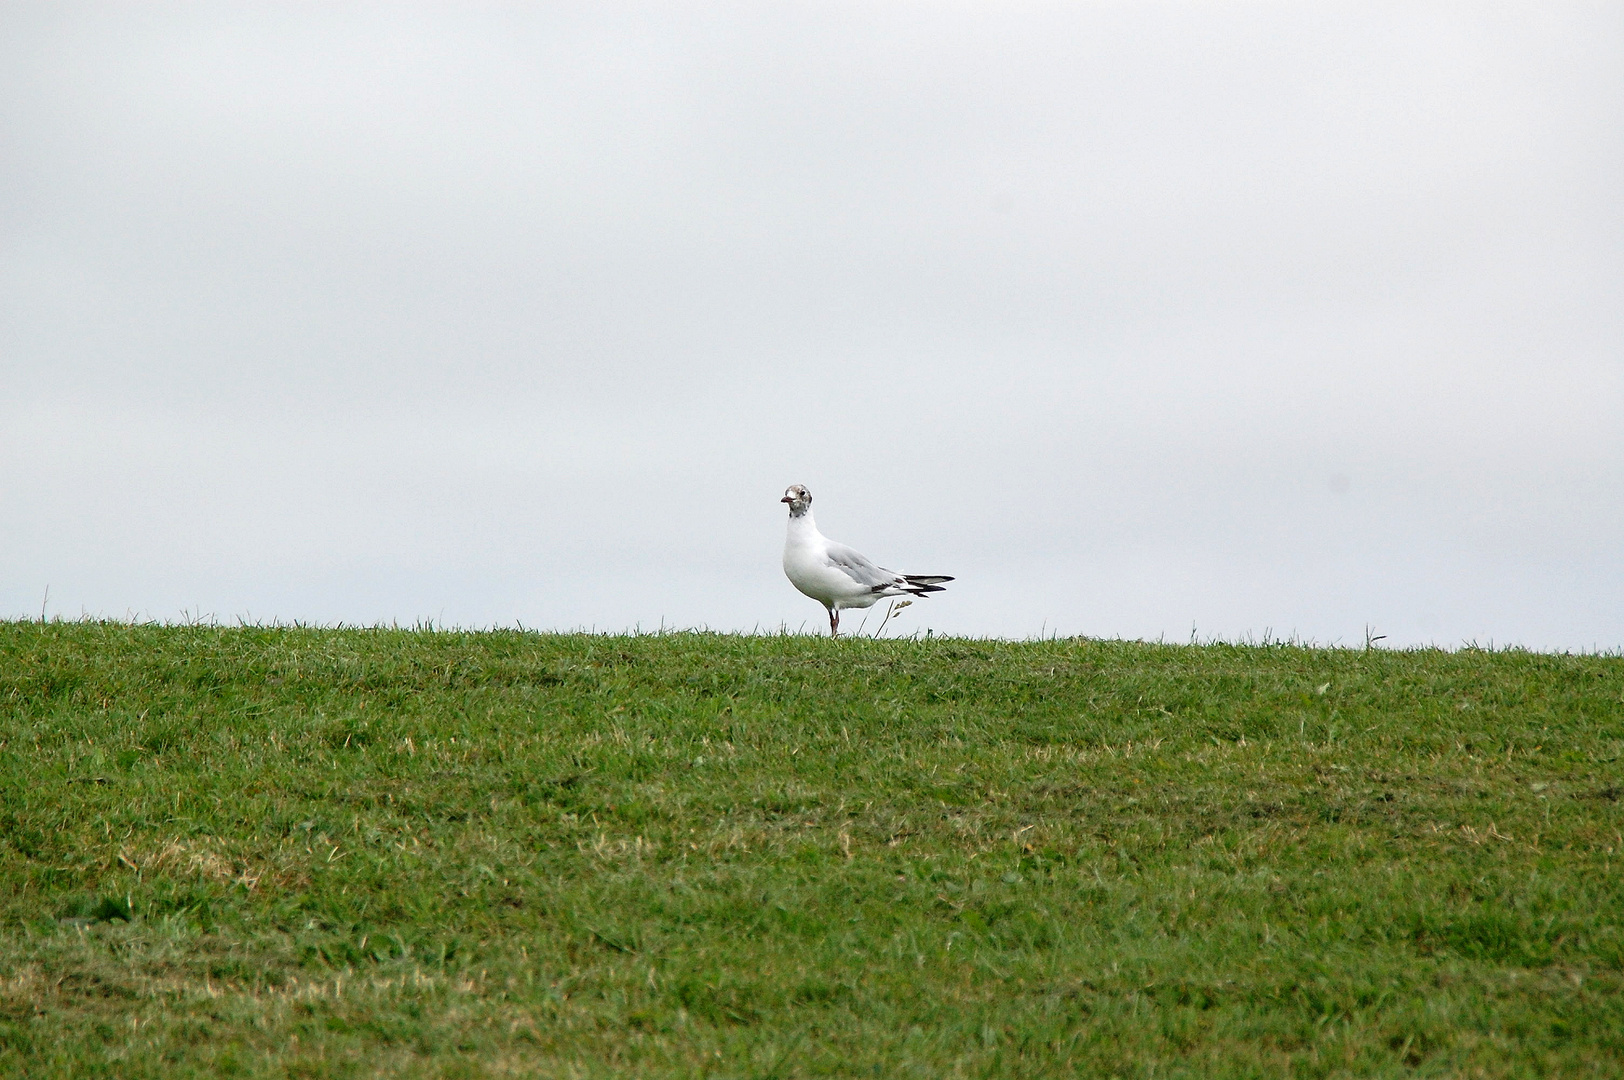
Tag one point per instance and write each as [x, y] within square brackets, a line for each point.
[315, 852]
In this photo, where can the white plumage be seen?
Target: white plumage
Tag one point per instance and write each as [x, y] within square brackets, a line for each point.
[833, 574]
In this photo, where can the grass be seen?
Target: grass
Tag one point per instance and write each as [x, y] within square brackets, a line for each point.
[303, 852]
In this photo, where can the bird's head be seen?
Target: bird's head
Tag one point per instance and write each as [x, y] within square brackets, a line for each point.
[798, 498]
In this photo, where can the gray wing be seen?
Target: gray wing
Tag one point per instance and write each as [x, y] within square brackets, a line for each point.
[860, 568]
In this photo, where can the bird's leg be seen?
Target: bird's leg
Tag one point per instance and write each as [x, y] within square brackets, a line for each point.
[834, 622]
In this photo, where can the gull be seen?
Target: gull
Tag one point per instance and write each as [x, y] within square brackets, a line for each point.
[833, 574]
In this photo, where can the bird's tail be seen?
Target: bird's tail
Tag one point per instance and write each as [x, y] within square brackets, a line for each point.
[919, 584]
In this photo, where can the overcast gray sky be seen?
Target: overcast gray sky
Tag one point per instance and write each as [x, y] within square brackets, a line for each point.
[1251, 318]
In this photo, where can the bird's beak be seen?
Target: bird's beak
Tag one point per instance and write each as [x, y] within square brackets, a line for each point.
[786, 498]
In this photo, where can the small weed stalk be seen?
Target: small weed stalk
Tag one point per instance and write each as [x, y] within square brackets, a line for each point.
[893, 608]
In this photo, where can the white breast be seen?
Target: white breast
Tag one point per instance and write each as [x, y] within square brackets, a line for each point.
[806, 564]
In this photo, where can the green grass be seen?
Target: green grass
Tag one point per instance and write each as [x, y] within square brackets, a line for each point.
[302, 852]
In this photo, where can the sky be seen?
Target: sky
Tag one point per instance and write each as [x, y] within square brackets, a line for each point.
[1225, 321]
